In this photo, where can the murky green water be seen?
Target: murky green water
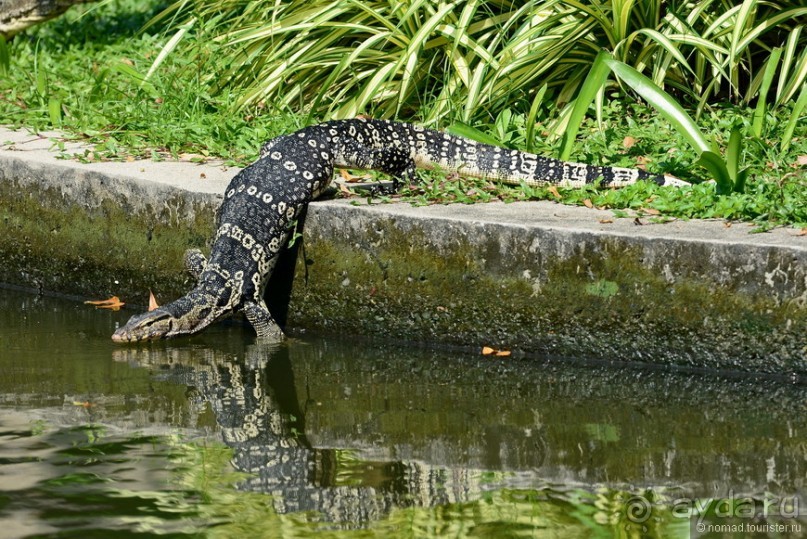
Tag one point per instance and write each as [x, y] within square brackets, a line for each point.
[217, 436]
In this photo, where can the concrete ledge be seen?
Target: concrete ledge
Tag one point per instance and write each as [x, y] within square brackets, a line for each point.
[537, 278]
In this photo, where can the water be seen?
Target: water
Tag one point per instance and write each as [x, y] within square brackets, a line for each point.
[218, 436]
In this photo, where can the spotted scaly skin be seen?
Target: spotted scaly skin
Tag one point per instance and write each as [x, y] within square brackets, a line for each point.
[264, 198]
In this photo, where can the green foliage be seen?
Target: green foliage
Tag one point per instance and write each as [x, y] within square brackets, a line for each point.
[725, 171]
[467, 59]
[87, 75]
[154, 93]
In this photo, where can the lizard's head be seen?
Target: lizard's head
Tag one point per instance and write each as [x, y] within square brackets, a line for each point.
[210, 300]
[185, 316]
[156, 324]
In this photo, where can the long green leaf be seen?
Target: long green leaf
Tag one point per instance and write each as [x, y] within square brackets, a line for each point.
[662, 102]
[762, 100]
[769, 24]
[740, 23]
[795, 115]
[464, 130]
[734, 154]
[664, 42]
[169, 47]
[414, 48]
[55, 112]
[717, 168]
[531, 116]
[588, 90]
[5, 56]
[795, 81]
[788, 56]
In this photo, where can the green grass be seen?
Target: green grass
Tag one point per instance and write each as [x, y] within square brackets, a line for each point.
[85, 75]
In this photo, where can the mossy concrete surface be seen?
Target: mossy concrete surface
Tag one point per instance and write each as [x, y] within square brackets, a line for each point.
[531, 278]
[542, 278]
[101, 229]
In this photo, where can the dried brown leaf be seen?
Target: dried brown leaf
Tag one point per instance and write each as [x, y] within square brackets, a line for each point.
[152, 301]
[114, 303]
[347, 193]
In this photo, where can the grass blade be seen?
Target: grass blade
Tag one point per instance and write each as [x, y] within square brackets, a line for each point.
[169, 47]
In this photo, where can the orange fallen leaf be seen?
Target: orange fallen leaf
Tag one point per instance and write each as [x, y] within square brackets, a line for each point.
[114, 303]
[803, 232]
[487, 351]
[801, 160]
[588, 204]
[606, 221]
[345, 191]
[152, 301]
[85, 404]
[628, 142]
[350, 178]
[651, 211]
[554, 191]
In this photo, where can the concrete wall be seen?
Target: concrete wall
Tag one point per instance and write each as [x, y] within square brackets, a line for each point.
[535, 278]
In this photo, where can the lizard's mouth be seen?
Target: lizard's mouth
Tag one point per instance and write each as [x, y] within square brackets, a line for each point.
[156, 324]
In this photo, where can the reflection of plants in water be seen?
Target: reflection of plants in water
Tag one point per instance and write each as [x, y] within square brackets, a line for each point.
[38, 427]
[529, 513]
[203, 466]
[637, 514]
[94, 433]
[176, 485]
